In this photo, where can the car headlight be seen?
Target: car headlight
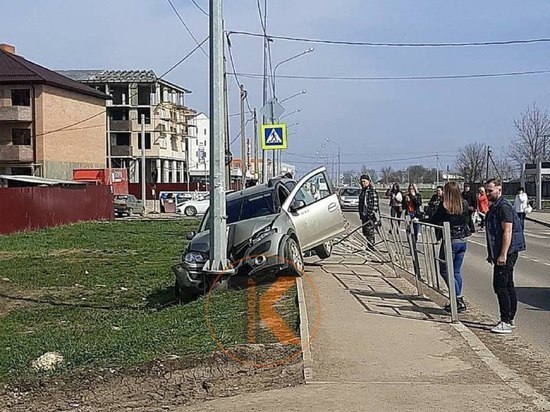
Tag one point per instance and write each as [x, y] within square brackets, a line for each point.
[194, 257]
[262, 234]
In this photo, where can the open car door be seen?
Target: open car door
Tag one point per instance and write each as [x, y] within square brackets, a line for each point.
[314, 209]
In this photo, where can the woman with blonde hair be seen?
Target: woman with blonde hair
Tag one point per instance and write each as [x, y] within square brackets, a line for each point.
[453, 209]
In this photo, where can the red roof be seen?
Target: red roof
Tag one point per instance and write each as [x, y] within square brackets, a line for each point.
[16, 69]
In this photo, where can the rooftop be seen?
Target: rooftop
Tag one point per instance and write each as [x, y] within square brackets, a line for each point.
[15, 69]
[118, 76]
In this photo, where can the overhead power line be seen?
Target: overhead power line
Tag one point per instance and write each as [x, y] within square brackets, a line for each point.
[388, 44]
[235, 74]
[199, 7]
[395, 78]
[186, 27]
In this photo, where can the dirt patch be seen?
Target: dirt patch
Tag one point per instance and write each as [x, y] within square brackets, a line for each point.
[158, 386]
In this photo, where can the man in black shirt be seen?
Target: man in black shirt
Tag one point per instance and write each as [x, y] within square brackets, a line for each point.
[368, 208]
[470, 197]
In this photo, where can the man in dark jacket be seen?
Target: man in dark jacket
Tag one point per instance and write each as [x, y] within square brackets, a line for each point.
[368, 208]
[470, 197]
[504, 240]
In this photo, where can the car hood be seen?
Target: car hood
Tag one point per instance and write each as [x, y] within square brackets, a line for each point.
[238, 233]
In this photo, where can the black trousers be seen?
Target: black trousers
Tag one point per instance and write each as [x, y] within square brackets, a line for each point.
[503, 285]
[368, 232]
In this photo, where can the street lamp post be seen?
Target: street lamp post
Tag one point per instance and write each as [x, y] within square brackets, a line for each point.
[293, 96]
[338, 160]
[290, 114]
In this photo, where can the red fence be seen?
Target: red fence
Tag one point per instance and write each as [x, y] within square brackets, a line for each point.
[27, 208]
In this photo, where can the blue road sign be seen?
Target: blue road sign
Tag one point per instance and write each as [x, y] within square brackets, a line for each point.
[274, 136]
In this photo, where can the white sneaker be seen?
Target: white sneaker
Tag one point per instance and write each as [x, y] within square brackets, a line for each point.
[502, 328]
[512, 324]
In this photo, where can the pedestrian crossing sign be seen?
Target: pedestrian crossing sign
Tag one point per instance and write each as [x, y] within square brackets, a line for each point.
[273, 136]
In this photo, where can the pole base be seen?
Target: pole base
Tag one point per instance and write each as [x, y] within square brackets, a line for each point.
[222, 267]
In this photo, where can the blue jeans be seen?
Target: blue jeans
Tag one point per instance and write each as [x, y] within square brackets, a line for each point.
[459, 250]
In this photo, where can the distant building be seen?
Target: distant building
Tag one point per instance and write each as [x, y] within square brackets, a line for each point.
[199, 147]
[49, 124]
[138, 93]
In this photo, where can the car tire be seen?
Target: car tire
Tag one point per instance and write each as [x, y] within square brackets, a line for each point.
[294, 257]
[190, 211]
[183, 294]
[324, 251]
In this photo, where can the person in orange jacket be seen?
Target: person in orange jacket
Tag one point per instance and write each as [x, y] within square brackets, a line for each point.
[482, 205]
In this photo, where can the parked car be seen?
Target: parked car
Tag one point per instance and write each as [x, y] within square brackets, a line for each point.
[194, 207]
[349, 198]
[128, 205]
[269, 228]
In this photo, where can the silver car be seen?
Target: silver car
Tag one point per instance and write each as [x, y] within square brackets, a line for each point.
[270, 227]
[349, 198]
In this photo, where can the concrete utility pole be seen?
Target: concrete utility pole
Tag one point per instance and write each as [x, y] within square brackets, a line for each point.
[226, 115]
[244, 160]
[487, 165]
[218, 263]
[256, 144]
[264, 96]
[143, 194]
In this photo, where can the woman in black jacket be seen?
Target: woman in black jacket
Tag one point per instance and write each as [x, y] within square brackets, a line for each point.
[453, 209]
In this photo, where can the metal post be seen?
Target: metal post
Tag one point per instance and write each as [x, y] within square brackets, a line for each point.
[109, 160]
[143, 194]
[256, 144]
[450, 270]
[243, 140]
[538, 184]
[487, 165]
[264, 97]
[218, 262]
[226, 115]
[339, 168]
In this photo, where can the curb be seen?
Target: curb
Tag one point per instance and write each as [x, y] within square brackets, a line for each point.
[540, 222]
[304, 332]
[508, 376]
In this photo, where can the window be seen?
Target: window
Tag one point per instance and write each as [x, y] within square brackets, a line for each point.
[147, 141]
[144, 95]
[20, 97]
[147, 113]
[205, 131]
[21, 137]
[314, 189]
[122, 139]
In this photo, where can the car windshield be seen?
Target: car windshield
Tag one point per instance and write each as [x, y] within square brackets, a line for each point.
[244, 208]
[350, 191]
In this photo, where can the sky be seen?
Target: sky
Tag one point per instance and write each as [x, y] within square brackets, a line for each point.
[373, 123]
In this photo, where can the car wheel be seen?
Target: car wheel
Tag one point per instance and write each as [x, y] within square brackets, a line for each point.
[190, 211]
[294, 256]
[183, 294]
[324, 251]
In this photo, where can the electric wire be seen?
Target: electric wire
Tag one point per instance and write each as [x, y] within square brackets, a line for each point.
[234, 73]
[402, 78]
[199, 7]
[388, 44]
[185, 25]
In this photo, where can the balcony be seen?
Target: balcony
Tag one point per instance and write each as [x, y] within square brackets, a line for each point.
[15, 114]
[121, 125]
[16, 154]
[121, 151]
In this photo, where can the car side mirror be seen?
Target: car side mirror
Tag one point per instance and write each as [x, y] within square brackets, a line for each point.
[190, 235]
[297, 204]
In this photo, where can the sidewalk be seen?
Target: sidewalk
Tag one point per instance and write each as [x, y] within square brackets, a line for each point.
[542, 218]
[379, 347]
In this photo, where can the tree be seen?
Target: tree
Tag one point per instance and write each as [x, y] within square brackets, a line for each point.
[532, 136]
[471, 162]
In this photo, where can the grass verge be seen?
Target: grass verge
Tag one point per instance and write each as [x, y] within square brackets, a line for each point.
[101, 295]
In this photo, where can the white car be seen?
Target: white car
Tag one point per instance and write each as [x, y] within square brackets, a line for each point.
[194, 207]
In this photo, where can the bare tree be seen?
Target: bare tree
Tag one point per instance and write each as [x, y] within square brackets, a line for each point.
[471, 162]
[532, 136]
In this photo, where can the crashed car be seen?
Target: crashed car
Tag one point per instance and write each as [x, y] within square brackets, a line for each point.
[269, 228]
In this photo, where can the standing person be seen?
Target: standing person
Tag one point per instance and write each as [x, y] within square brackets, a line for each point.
[504, 240]
[521, 203]
[482, 206]
[368, 208]
[435, 200]
[396, 200]
[453, 209]
[471, 198]
[412, 205]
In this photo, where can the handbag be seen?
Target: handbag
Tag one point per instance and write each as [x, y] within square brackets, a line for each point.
[528, 209]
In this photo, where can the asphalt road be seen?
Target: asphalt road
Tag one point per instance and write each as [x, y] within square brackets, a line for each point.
[532, 279]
